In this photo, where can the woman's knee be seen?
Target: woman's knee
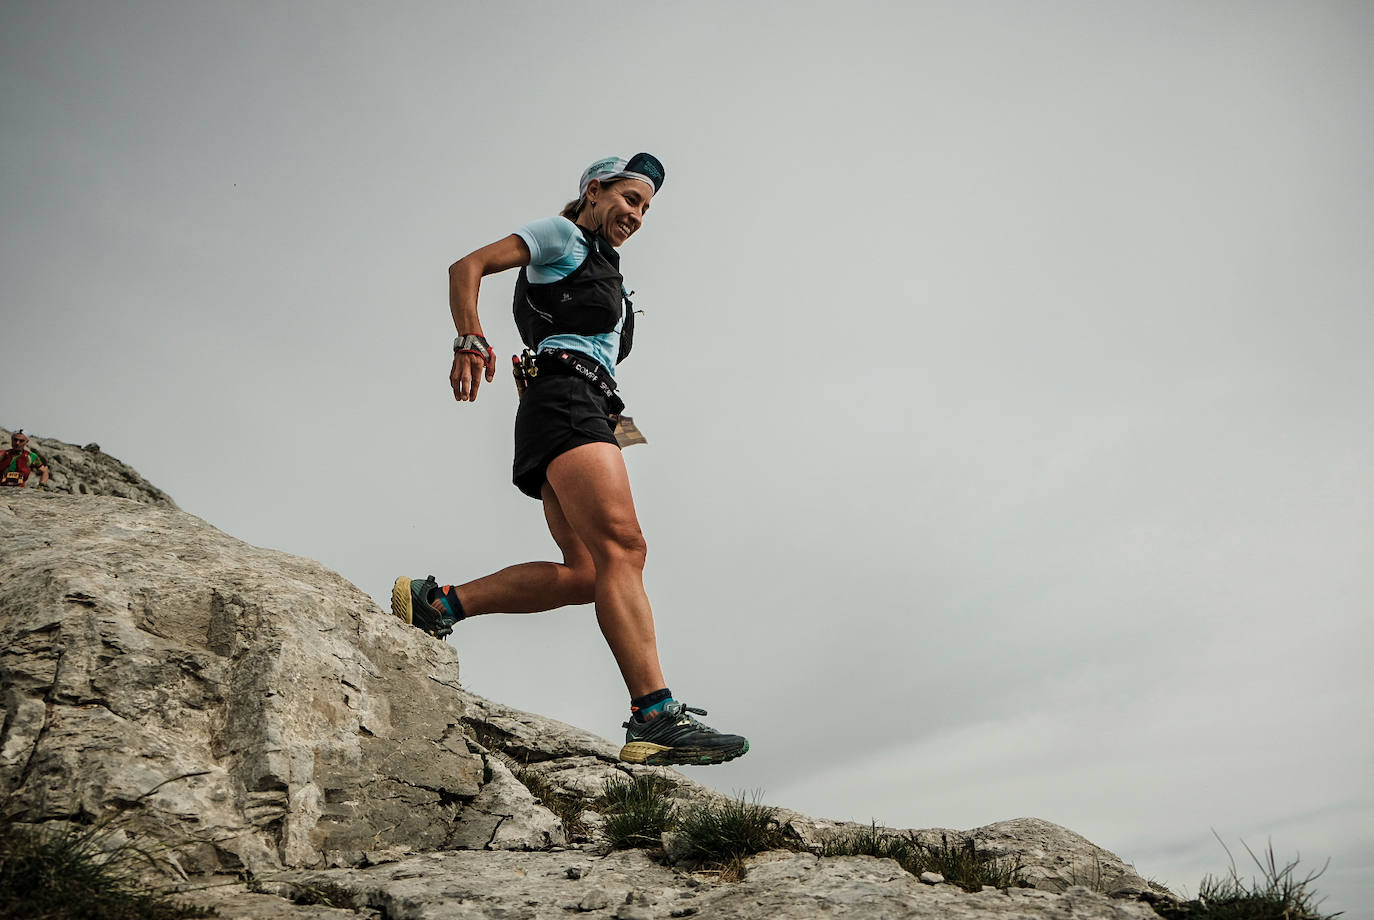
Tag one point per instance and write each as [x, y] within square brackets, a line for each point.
[623, 545]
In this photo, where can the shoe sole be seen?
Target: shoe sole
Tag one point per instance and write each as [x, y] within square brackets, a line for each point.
[657, 755]
[400, 601]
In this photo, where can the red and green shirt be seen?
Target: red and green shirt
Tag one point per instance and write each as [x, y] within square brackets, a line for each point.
[15, 466]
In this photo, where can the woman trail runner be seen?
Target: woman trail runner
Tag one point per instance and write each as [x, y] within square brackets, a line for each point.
[575, 317]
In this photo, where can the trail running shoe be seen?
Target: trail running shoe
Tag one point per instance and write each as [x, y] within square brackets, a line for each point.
[410, 601]
[672, 736]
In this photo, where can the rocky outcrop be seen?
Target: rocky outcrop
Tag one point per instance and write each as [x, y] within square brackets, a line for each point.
[253, 713]
[251, 709]
[88, 471]
[631, 886]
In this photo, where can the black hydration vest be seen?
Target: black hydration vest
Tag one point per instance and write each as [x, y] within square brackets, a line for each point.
[590, 301]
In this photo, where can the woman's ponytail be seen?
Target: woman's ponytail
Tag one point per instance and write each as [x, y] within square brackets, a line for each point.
[574, 208]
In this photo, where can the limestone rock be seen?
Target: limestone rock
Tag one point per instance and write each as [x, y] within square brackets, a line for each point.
[505, 816]
[630, 886]
[1052, 858]
[596, 899]
[86, 471]
[248, 707]
[235, 901]
[529, 739]
[251, 710]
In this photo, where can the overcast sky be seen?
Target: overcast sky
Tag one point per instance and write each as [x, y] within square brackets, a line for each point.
[1005, 367]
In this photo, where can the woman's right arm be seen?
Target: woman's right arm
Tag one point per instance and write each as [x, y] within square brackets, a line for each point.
[464, 281]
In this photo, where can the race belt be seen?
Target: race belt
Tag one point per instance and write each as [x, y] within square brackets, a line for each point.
[561, 361]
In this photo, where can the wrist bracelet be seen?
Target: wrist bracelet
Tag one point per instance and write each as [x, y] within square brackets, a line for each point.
[472, 345]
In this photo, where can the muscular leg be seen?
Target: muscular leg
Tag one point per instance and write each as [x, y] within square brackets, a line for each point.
[593, 490]
[532, 587]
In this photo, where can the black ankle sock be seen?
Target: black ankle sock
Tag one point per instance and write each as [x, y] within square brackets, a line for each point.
[650, 699]
[448, 594]
[640, 703]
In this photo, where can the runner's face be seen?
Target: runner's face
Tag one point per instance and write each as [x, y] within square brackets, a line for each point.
[18, 441]
[620, 208]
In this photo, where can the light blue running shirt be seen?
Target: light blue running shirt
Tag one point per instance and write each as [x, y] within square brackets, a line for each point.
[556, 250]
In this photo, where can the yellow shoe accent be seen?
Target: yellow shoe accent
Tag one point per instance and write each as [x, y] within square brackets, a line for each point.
[400, 600]
[640, 751]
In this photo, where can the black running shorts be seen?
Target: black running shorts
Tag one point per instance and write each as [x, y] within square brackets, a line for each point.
[556, 414]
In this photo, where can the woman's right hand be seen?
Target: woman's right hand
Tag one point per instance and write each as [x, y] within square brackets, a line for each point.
[466, 375]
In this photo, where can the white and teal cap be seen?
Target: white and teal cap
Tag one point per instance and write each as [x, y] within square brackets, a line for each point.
[642, 166]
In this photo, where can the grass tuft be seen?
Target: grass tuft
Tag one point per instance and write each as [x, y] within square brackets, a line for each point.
[638, 811]
[970, 868]
[69, 872]
[624, 793]
[713, 835]
[870, 841]
[1278, 894]
[720, 835]
[961, 863]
